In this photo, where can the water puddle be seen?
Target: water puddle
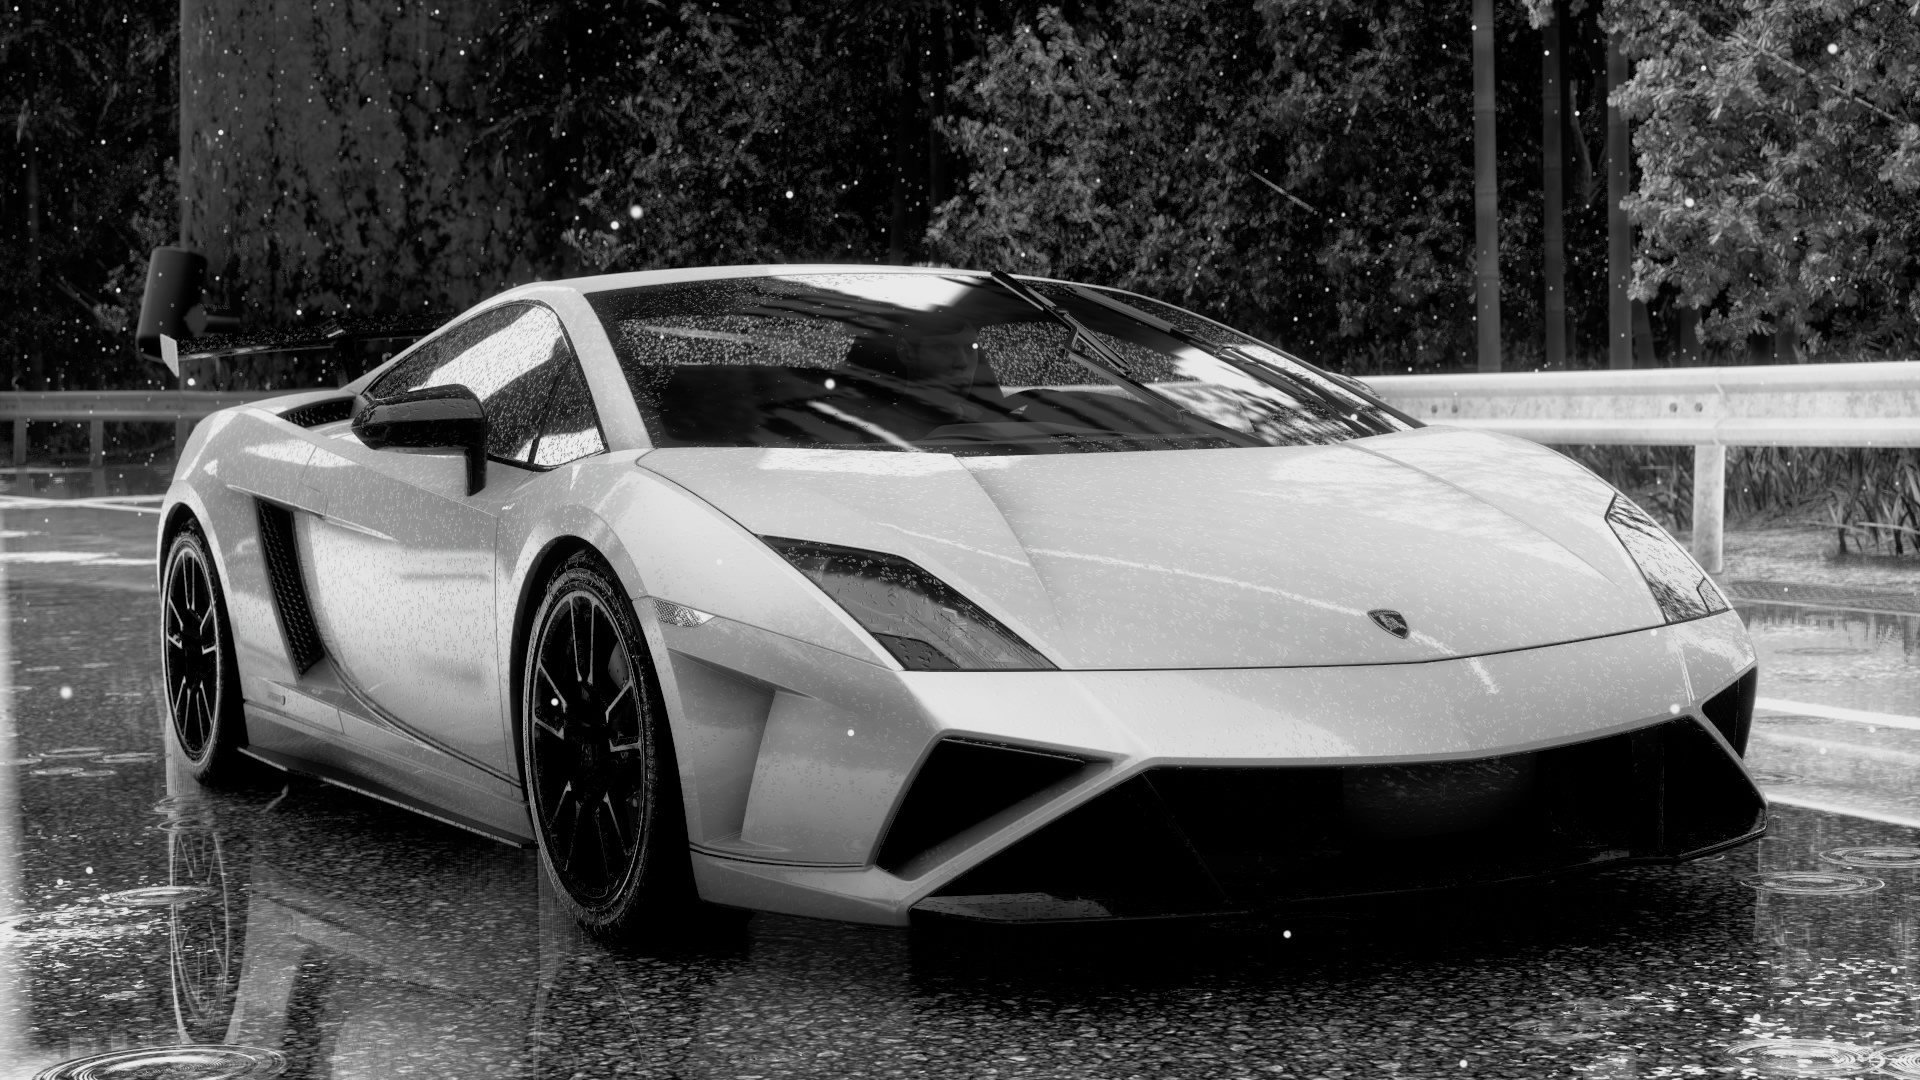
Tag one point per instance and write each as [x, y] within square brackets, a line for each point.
[1578, 1020]
[185, 1062]
[71, 924]
[56, 770]
[1804, 1057]
[1813, 883]
[1773, 779]
[30, 759]
[1556, 1029]
[158, 896]
[1874, 858]
[129, 757]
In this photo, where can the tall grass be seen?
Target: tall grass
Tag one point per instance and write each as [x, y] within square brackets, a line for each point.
[1870, 496]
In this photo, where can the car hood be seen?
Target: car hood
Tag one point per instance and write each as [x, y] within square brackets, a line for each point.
[1258, 557]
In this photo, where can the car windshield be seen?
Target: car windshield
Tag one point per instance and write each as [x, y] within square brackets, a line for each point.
[958, 364]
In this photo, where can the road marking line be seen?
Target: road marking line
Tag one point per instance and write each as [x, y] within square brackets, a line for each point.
[1835, 712]
[1910, 821]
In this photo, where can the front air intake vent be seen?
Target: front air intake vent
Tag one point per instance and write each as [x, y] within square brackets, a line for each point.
[962, 783]
[282, 557]
[330, 411]
[1731, 710]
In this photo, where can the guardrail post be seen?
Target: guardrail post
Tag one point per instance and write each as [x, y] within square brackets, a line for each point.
[19, 441]
[1709, 504]
[96, 443]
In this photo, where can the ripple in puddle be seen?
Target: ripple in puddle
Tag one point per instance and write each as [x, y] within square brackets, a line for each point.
[1901, 1061]
[1813, 883]
[183, 1062]
[1556, 1029]
[1874, 858]
[157, 896]
[129, 757]
[74, 752]
[183, 804]
[1804, 1057]
[57, 770]
[1597, 1009]
[186, 825]
[1773, 779]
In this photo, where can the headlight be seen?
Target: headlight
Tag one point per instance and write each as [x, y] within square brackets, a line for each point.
[1678, 585]
[918, 618]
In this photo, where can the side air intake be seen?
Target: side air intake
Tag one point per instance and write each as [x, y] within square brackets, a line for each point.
[289, 588]
[1731, 710]
[962, 783]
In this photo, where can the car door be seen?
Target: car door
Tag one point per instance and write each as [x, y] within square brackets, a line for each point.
[403, 564]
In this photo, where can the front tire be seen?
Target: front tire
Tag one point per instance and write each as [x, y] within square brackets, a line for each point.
[207, 719]
[602, 788]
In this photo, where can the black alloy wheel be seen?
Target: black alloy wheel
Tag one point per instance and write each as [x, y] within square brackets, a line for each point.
[196, 662]
[601, 783]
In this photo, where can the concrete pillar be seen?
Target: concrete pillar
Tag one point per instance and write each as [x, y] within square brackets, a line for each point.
[1709, 504]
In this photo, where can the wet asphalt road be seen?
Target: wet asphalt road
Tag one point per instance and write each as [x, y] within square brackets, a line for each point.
[359, 941]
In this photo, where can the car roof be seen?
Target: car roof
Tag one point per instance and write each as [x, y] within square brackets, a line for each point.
[635, 278]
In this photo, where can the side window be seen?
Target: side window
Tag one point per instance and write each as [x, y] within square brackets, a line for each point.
[508, 357]
[571, 430]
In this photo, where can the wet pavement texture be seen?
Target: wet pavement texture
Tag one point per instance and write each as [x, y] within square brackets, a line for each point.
[337, 937]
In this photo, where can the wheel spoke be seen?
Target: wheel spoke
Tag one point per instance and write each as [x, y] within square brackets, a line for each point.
[559, 804]
[573, 641]
[624, 697]
[613, 820]
[573, 836]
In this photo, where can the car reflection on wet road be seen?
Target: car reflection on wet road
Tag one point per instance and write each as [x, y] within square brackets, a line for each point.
[340, 938]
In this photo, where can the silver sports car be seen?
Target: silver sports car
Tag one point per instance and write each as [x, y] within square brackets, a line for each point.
[872, 593]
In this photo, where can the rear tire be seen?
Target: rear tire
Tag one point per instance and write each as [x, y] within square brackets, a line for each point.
[603, 789]
[206, 718]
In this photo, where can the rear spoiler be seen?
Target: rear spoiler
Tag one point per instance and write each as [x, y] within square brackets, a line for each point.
[209, 350]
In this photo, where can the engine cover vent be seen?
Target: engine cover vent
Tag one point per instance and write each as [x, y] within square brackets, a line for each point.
[282, 557]
[330, 411]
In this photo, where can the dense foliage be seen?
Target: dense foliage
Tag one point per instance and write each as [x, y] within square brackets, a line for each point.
[86, 183]
[1779, 142]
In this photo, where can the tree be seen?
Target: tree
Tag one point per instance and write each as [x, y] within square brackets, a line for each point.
[1779, 146]
[1302, 168]
[86, 183]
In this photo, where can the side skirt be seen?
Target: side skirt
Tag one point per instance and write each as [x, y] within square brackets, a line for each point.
[375, 790]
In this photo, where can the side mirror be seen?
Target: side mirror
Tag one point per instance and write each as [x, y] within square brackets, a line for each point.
[432, 417]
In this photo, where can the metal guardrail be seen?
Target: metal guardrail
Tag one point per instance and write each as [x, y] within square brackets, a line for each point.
[1710, 409]
[98, 408]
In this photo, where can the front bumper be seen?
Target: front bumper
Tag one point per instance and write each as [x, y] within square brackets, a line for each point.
[1027, 796]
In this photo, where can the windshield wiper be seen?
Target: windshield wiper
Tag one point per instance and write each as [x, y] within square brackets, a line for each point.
[1099, 358]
